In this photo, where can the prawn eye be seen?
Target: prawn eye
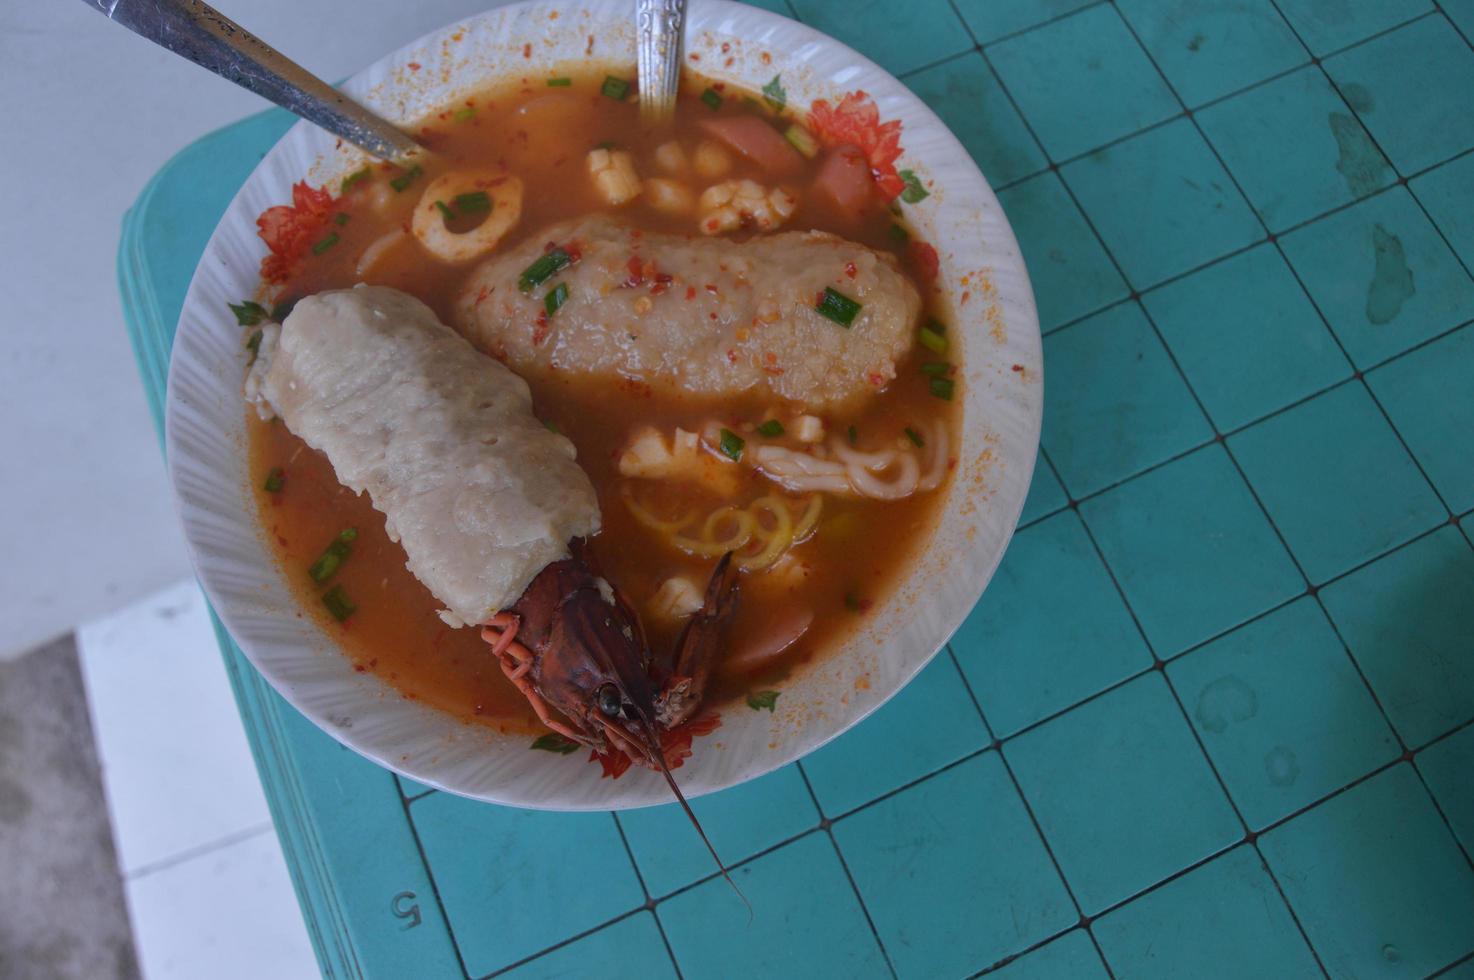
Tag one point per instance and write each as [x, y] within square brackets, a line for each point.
[609, 700]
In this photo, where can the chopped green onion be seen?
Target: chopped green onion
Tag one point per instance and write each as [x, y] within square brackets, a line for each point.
[763, 700]
[358, 176]
[732, 444]
[282, 310]
[914, 192]
[559, 82]
[547, 265]
[774, 95]
[472, 202]
[340, 219]
[402, 182]
[771, 429]
[853, 435]
[802, 140]
[327, 563]
[935, 367]
[553, 742]
[274, 480]
[253, 343]
[551, 426]
[615, 88]
[852, 602]
[712, 98]
[605, 145]
[915, 437]
[899, 234]
[464, 114]
[326, 243]
[837, 307]
[932, 340]
[555, 298]
[445, 212]
[248, 313]
[338, 603]
[942, 388]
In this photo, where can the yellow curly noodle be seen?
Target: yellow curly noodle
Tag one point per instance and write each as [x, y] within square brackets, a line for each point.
[757, 543]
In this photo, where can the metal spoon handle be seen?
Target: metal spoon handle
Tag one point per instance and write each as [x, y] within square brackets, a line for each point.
[211, 40]
[661, 29]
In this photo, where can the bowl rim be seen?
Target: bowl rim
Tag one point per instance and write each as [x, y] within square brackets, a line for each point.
[702, 15]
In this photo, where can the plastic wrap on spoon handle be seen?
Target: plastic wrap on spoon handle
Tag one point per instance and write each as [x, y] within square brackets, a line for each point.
[199, 32]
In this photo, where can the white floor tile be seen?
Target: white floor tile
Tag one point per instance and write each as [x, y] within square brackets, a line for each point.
[227, 914]
[175, 763]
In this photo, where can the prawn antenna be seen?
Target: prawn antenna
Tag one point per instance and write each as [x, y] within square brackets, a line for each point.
[690, 815]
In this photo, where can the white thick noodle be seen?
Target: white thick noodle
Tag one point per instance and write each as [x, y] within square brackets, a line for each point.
[802, 472]
[940, 445]
[377, 249]
[903, 484]
[855, 458]
[886, 474]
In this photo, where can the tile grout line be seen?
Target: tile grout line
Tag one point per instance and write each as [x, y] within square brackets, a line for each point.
[1360, 376]
[1023, 30]
[826, 825]
[1186, 651]
[1035, 947]
[952, 765]
[645, 890]
[198, 851]
[1083, 921]
[1159, 664]
[1274, 825]
[1185, 112]
[1230, 433]
[1251, 837]
[1210, 103]
[414, 832]
[1438, 808]
[1403, 180]
[564, 942]
[1445, 970]
[1438, 6]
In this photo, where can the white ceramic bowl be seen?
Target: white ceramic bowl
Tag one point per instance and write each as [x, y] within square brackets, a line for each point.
[981, 269]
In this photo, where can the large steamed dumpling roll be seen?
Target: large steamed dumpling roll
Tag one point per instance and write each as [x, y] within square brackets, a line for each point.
[479, 492]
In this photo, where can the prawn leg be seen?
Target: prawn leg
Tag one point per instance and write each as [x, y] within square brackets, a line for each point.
[696, 648]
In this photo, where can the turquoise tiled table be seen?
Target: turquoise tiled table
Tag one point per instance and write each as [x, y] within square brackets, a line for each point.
[1215, 715]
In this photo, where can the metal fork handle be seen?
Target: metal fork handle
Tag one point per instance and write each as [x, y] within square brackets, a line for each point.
[199, 32]
[661, 28]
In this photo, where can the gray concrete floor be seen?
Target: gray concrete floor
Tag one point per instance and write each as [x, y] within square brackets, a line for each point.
[64, 914]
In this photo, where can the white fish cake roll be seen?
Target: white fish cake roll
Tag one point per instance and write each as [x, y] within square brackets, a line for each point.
[481, 495]
[697, 315]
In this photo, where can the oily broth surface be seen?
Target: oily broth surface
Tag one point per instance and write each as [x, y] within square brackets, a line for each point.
[541, 135]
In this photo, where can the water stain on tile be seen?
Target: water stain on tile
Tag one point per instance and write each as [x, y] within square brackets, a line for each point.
[1196, 42]
[1358, 97]
[1358, 160]
[1392, 280]
[1281, 766]
[1225, 701]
